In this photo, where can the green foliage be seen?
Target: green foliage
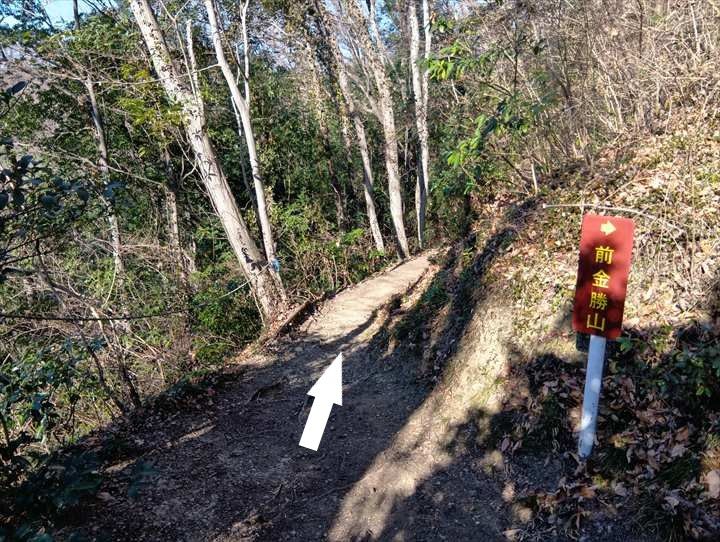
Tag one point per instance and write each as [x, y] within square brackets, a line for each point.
[318, 261]
[8, 95]
[700, 365]
[684, 365]
[490, 121]
[51, 494]
[493, 117]
[457, 59]
[36, 207]
[512, 117]
[40, 382]
[225, 309]
[38, 389]
[222, 313]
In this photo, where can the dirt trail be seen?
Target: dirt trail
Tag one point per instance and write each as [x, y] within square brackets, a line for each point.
[409, 456]
[231, 468]
[351, 309]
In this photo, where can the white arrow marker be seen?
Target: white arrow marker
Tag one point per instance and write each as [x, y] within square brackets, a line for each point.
[326, 391]
[607, 228]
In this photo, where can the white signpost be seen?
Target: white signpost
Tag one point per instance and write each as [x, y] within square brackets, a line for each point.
[605, 254]
[591, 396]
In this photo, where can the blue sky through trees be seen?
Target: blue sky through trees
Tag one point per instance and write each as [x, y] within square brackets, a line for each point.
[59, 11]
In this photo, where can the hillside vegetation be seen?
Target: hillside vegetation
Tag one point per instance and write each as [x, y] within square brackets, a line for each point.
[184, 182]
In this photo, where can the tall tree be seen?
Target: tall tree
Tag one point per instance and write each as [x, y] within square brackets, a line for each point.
[101, 144]
[420, 191]
[329, 33]
[243, 109]
[374, 54]
[423, 129]
[102, 150]
[268, 293]
[420, 89]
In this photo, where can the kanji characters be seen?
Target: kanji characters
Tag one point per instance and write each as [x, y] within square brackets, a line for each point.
[604, 254]
[601, 279]
[598, 300]
[594, 323]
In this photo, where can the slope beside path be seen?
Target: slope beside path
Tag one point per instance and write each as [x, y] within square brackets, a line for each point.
[421, 448]
[231, 469]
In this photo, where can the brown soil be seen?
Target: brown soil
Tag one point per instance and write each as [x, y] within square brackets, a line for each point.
[407, 456]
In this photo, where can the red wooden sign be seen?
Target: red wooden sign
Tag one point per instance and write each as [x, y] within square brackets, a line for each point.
[605, 251]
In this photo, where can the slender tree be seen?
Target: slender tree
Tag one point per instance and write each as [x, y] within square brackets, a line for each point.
[100, 142]
[374, 53]
[420, 90]
[266, 290]
[420, 185]
[102, 150]
[243, 109]
[329, 33]
[422, 116]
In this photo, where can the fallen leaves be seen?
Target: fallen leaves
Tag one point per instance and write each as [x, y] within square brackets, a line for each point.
[672, 500]
[712, 481]
[677, 450]
[619, 489]
[651, 438]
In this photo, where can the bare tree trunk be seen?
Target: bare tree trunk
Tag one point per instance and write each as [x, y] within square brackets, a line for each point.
[182, 340]
[236, 111]
[330, 32]
[76, 14]
[268, 294]
[246, 54]
[173, 221]
[368, 183]
[174, 231]
[420, 186]
[244, 111]
[124, 325]
[316, 99]
[100, 143]
[423, 130]
[243, 172]
[386, 117]
[374, 32]
[350, 173]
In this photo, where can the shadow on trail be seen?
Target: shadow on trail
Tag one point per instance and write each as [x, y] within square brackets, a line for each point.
[230, 467]
[506, 470]
[389, 412]
[229, 464]
[416, 452]
[417, 489]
